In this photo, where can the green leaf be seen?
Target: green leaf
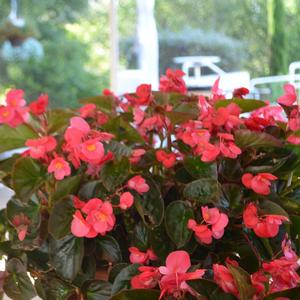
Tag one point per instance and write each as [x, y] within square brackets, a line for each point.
[271, 208]
[168, 98]
[137, 295]
[209, 289]
[242, 281]
[58, 119]
[108, 249]
[97, 290]
[66, 256]
[123, 131]
[30, 209]
[118, 149]
[17, 284]
[114, 173]
[246, 105]
[202, 190]
[233, 194]
[115, 270]
[39, 258]
[105, 103]
[122, 281]
[160, 242]
[177, 215]
[200, 169]
[65, 187]
[52, 288]
[295, 226]
[292, 294]
[183, 112]
[245, 138]
[91, 190]
[150, 205]
[140, 237]
[13, 138]
[61, 218]
[28, 175]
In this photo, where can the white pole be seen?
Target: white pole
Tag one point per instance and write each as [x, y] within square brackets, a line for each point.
[147, 38]
[114, 44]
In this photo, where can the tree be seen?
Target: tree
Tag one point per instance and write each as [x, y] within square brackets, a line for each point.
[278, 57]
[65, 72]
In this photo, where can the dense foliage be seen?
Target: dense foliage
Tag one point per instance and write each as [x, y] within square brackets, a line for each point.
[172, 195]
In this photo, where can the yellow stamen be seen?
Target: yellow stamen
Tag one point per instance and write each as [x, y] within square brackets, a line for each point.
[58, 165]
[91, 147]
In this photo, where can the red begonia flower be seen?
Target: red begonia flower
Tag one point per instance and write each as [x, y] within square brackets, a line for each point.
[224, 279]
[289, 97]
[39, 106]
[126, 200]
[59, 167]
[39, 147]
[167, 159]
[138, 183]
[172, 82]
[259, 183]
[264, 226]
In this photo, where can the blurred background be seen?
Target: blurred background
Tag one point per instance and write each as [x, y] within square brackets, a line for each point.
[75, 49]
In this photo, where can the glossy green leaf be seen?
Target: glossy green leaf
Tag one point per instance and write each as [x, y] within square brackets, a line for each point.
[271, 208]
[209, 289]
[66, 256]
[115, 173]
[28, 175]
[291, 294]
[160, 242]
[295, 226]
[115, 270]
[150, 205]
[242, 281]
[58, 119]
[177, 215]
[97, 290]
[91, 190]
[13, 138]
[118, 149]
[246, 105]
[50, 287]
[123, 131]
[233, 194]
[200, 169]
[202, 190]
[245, 138]
[122, 281]
[30, 209]
[17, 284]
[140, 236]
[104, 103]
[142, 294]
[66, 187]
[168, 98]
[108, 249]
[183, 112]
[61, 218]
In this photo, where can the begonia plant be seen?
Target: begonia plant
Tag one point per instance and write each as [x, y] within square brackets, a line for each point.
[152, 195]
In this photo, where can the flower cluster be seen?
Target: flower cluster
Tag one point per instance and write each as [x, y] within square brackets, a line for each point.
[264, 226]
[277, 275]
[214, 224]
[173, 185]
[15, 112]
[99, 218]
[171, 278]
